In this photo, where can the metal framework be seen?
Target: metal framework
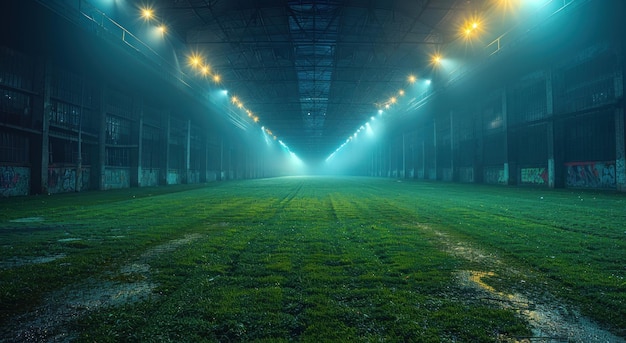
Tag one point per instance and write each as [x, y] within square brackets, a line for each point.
[313, 70]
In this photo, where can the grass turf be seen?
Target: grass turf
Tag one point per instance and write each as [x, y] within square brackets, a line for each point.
[314, 259]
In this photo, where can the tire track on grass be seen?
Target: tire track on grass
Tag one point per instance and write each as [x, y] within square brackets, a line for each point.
[130, 283]
[49, 321]
[549, 319]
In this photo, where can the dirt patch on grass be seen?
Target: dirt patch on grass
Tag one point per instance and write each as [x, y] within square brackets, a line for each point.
[48, 322]
[27, 220]
[550, 320]
[15, 262]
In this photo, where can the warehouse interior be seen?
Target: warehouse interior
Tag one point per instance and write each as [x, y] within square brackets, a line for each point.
[312, 170]
[107, 94]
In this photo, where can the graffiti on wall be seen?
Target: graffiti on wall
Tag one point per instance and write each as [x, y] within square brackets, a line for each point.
[494, 176]
[173, 177]
[149, 177]
[116, 178]
[193, 176]
[534, 176]
[62, 180]
[591, 174]
[14, 181]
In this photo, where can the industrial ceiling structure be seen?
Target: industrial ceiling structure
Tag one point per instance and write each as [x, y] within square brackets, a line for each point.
[314, 71]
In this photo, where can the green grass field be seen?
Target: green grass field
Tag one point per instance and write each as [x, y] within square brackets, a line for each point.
[314, 259]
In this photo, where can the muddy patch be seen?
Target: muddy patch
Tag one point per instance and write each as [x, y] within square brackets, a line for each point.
[550, 321]
[27, 220]
[22, 261]
[48, 322]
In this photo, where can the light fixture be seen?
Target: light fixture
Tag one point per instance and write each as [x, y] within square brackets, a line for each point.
[147, 13]
[436, 59]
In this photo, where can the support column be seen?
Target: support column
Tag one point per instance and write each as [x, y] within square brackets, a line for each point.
[188, 153]
[100, 170]
[423, 159]
[403, 155]
[550, 131]
[220, 177]
[620, 151]
[510, 169]
[452, 150]
[165, 159]
[435, 165]
[136, 165]
[207, 158]
[41, 113]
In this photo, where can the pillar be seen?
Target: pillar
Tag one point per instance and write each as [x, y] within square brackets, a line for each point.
[510, 169]
[136, 164]
[100, 170]
[165, 159]
[41, 114]
[403, 155]
[139, 171]
[452, 149]
[552, 170]
[435, 166]
[188, 153]
[620, 151]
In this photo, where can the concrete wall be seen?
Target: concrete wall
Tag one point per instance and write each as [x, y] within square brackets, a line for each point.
[14, 180]
[64, 179]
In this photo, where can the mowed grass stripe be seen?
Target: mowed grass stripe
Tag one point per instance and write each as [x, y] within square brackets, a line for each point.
[575, 249]
[299, 276]
[317, 258]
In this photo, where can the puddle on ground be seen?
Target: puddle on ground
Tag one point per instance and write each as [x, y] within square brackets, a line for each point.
[69, 239]
[27, 220]
[21, 261]
[550, 321]
[48, 322]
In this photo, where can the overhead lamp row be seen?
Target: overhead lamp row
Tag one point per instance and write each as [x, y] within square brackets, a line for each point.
[198, 63]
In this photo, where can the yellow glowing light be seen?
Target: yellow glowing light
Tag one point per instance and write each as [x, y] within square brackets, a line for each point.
[205, 70]
[147, 13]
[240, 105]
[436, 59]
[256, 119]
[472, 27]
[508, 5]
[393, 100]
[234, 100]
[162, 29]
[412, 78]
[217, 78]
[401, 92]
[195, 60]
